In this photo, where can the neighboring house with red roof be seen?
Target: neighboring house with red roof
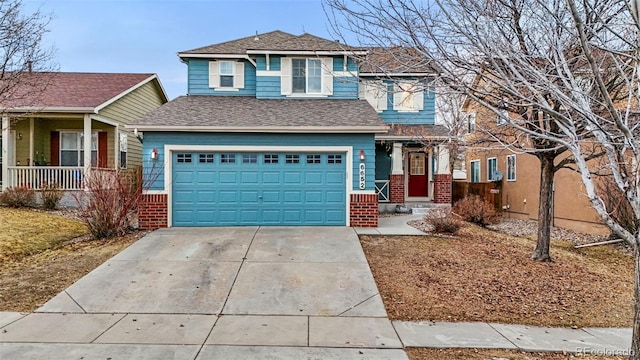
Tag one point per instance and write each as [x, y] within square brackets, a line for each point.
[45, 131]
[282, 129]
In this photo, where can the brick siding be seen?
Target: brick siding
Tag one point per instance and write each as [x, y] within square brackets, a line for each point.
[364, 210]
[152, 212]
[396, 189]
[442, 188]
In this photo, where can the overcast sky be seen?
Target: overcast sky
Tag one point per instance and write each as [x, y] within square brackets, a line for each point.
[145, 35]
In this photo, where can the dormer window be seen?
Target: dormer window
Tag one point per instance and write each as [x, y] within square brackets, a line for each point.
[225, 75]
[306, 77]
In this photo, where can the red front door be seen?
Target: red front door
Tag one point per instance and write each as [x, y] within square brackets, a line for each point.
[418, 175]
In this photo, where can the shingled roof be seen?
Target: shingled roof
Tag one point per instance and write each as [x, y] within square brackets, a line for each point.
[275, 40]
[243, 113]
[415, 131]
[394, 60]
[68, 90]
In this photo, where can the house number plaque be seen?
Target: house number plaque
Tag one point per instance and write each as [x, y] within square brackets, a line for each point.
[362, 177]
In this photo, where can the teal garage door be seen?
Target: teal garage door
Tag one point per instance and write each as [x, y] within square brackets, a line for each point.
[258, 188]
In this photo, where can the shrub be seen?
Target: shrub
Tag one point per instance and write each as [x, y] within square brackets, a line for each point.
[110, 202]
[476, 210]
[443, 221]
[18, 197]
[51, 195]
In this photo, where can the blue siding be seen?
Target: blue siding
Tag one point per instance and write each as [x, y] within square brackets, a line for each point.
[425, 116]
[268, 87]
[198, 79]
[154, 171]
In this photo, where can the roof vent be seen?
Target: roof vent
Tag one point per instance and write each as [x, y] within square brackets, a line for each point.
[256, 38]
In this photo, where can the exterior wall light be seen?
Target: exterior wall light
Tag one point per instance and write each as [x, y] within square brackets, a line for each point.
[361, 155]
[154, 154]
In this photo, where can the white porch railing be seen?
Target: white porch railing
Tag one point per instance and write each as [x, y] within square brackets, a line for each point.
[382, 190]
[34, 177]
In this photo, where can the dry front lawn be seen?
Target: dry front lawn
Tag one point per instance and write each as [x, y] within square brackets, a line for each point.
[487, 276]
[25, 232]
[27, 284]
[475, 354]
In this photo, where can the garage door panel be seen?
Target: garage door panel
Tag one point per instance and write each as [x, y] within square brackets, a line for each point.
[257, 192]
[228, 177]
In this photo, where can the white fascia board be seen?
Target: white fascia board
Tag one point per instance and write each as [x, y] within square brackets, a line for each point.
[263, 129]
[130, 90]
[307, 52]
[409, 138]
[382, 74]
[77, 110]
[218, 56]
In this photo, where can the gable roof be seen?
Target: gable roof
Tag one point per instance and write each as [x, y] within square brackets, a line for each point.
[396, 60]
[274, 41]
[248, 114]
[69, 91]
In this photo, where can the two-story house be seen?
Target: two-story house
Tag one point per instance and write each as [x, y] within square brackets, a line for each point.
[273, 132]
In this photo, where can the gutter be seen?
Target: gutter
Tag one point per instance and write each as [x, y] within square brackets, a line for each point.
[264, 129]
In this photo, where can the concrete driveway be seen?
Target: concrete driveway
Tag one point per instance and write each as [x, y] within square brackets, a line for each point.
[216, 293]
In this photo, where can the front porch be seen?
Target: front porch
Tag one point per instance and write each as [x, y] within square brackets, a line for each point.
[411, 173]
[47, 149]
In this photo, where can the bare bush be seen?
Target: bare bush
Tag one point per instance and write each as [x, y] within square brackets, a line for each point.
[443, 221]
[476, 210]
[51, 195]
[18, 197]
[110, 201]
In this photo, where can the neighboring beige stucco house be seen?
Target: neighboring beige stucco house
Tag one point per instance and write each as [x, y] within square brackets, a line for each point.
[44, 133]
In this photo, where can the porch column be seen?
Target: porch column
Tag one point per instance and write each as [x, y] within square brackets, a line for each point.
[396, 179]
[396, 159]
[442, 177]
[87, 144]
[31, 141]
[5, 152]
[116, 147]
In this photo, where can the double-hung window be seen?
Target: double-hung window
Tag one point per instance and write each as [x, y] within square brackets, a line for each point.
[471, 122]
[492, 169]
[226, 73]
[306, 76]
[72, 148]
[408, 96]
[475, 171]
[511, 168]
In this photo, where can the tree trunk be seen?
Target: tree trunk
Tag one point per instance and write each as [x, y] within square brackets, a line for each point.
[635, 344]
[541, 253]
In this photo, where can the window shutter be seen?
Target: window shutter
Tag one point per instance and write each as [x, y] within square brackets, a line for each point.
[418, 99]
[327, 76]
[214, 78]
[55, 148]
[103, 149]
[238, 78]
[380, 91]
[285, 77]
[397, 98]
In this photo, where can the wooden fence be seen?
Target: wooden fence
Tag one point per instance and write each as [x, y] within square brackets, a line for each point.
[490, 192]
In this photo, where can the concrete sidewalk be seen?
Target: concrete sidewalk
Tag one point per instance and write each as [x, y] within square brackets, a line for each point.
[393, 225]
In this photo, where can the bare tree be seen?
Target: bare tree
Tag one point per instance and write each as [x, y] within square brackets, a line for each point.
[566, 71]
[23, 56]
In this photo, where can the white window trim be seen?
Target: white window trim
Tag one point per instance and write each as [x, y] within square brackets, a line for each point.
[214, 75]
[326, 77]
[515, 167]
[80, 149]
[125, 136]
[417, 97]
[376, 92]
[471, 122]
[489, 172]
[477, 161]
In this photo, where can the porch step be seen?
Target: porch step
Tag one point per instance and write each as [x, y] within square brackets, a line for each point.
[420, 210]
